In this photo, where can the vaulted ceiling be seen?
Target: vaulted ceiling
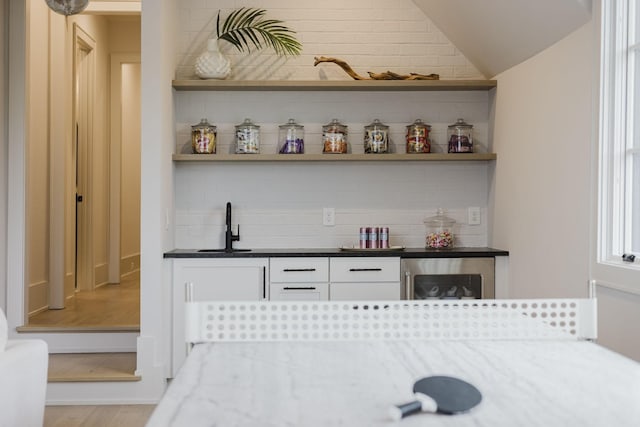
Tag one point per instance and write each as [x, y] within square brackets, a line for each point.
[495, 35]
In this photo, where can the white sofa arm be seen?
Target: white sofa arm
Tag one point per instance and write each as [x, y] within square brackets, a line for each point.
[23, 383]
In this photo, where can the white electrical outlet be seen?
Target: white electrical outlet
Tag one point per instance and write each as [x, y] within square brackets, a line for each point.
[328, 216]
[474, 216]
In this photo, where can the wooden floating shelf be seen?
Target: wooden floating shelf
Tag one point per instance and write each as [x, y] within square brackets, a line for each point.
[339, 85]
[455, 157]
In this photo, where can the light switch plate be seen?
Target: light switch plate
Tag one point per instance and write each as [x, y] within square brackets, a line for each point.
[474, 216]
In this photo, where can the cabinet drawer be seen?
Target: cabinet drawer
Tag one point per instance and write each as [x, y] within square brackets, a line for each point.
[299, 292]
[364, 291]
[365, 269]
[300, 270]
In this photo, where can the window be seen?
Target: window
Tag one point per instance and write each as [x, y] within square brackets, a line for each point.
[619, 160]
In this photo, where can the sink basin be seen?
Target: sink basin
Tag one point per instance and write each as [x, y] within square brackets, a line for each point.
[224, 250]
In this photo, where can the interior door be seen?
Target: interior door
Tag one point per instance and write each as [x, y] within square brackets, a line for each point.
[84, 81]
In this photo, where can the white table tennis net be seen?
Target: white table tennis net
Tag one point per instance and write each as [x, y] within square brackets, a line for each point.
[391, 320]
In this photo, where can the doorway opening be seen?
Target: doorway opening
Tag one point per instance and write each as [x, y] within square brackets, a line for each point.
[100, 289]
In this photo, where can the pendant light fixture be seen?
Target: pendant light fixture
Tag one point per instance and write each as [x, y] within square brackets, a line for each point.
[67, 7]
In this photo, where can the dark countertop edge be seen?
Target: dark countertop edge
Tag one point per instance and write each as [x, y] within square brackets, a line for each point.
[297, 253]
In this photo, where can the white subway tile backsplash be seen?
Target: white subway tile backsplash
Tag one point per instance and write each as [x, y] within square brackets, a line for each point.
[291, 228]
[280, 206]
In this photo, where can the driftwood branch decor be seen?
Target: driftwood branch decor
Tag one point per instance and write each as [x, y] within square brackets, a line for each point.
[374, 76]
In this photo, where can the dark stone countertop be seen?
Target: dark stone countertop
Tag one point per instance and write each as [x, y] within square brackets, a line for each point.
[337, 252]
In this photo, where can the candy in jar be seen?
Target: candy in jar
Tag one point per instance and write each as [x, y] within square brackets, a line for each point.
[376, 137]
[247, 138]
[418, 140]
[203, 138]
[460, 137]
[439, 230]
[291, 138]
[334, 138]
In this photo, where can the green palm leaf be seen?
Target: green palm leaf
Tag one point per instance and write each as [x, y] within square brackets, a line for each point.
[247, 27]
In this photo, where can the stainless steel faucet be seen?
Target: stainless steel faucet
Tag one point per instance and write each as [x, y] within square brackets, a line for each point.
[229, 236]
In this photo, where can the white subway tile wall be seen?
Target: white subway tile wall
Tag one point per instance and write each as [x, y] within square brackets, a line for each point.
[302, 228]
[371, 35]
[279, 205]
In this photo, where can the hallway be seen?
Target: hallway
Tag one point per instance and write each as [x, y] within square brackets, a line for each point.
[109, 306]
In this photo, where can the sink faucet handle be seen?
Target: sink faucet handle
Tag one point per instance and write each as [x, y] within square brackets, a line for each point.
[236, 237]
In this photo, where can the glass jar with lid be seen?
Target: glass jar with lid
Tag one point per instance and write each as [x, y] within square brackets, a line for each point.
[334, 138]
[418, 140]
[376, 137]
[247, 138]
[439, 230]
[460, 137]
[203, 138]
[291, 138]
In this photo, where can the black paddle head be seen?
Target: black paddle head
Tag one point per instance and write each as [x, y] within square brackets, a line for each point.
[452, 395]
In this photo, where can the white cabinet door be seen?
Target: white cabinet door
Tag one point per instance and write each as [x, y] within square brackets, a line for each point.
[299, 292]
[241, 279]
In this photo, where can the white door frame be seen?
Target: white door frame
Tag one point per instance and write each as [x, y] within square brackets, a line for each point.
[16, 173]
[82, 41]
[117, 60]
[60, 134]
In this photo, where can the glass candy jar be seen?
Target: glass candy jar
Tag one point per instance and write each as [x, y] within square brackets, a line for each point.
[439, 231]
[418, 140]
[334, 138]
[376, 137]
[460, 137]
[203, 138]
[247, 138]
[291, 138]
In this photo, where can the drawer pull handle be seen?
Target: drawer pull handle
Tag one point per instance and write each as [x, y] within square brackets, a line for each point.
[288, 270]
[365, 269]
[309, 288]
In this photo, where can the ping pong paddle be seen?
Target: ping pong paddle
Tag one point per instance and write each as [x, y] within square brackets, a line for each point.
[442, 394]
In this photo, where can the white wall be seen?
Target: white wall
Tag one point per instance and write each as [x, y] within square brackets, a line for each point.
[156, 210]
[124, 46]
[130, 172]
[3, 153]
[542, 181]
[371, 35]
[543, 198]
[37, 162]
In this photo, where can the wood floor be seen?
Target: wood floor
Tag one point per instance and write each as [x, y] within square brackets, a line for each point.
[97, 416]
[112, 305]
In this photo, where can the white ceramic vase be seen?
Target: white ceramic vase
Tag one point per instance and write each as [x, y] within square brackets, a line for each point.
[212, 64]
